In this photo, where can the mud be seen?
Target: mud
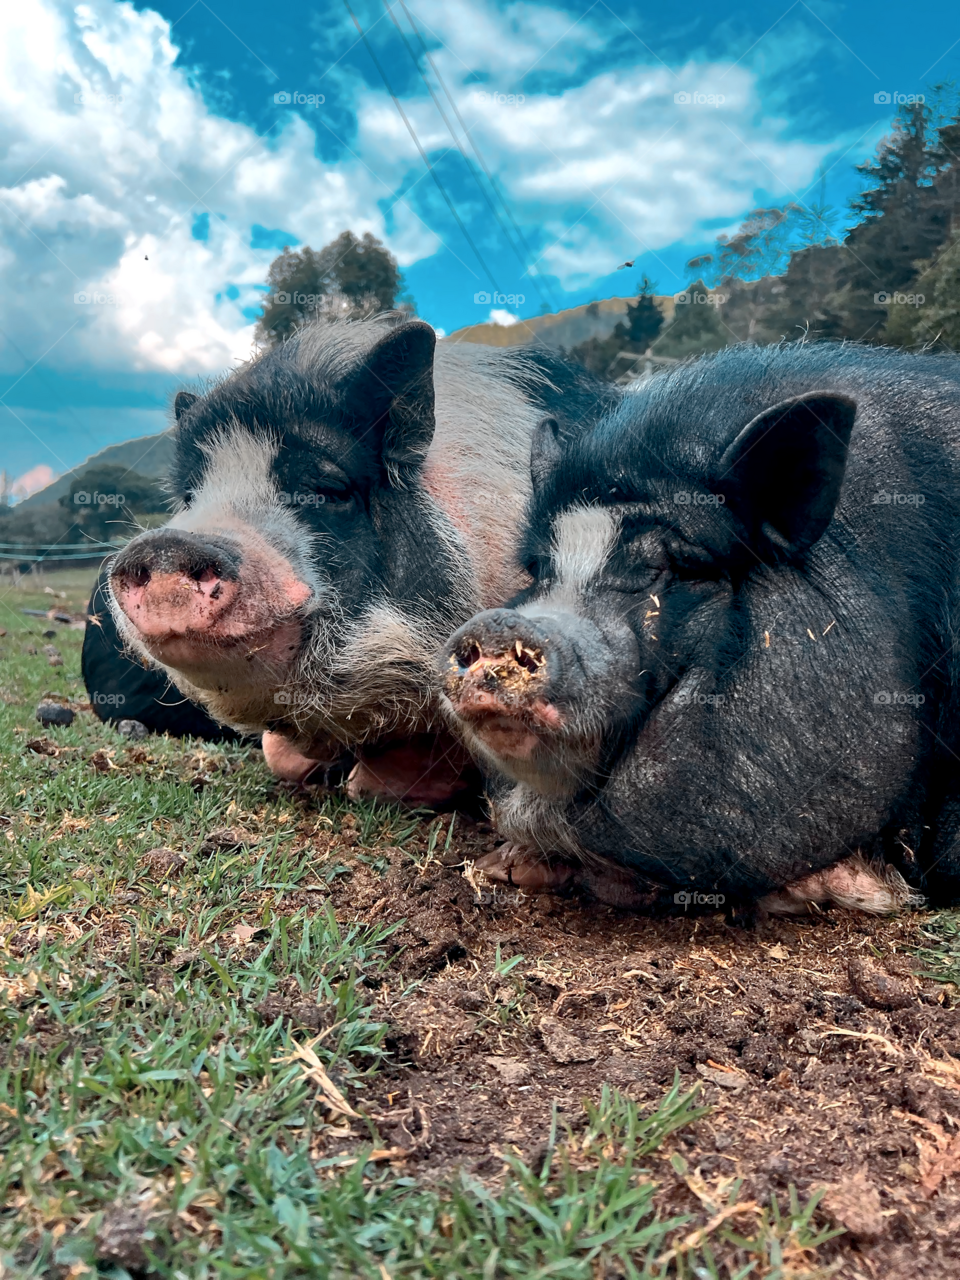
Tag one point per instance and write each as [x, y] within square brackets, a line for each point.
[825, 1060]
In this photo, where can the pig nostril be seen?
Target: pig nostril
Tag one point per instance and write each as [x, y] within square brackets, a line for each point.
[206, 574]
[468, 653]
[135, 578]
[530, 659]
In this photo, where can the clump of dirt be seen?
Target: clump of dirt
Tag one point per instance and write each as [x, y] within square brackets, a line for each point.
[825, 1060]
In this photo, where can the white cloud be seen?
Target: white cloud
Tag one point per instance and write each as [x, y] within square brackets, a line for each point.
[505, 318]
[615, 166]
[110, 155]
[109, 152]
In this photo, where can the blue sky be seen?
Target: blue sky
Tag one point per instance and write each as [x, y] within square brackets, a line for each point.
[156, 157]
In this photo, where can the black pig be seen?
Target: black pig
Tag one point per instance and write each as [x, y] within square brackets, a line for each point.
[343, 502]
[735, 674]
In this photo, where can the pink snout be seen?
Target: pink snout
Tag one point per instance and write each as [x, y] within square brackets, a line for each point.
[189, 596]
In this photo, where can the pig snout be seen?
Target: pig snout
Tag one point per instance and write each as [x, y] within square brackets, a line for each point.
[195, 600]
[498, 674]
[173, 583]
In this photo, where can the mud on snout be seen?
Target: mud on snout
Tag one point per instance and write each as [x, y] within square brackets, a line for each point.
[518, 690]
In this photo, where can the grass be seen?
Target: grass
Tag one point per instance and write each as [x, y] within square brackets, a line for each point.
[158, 1116]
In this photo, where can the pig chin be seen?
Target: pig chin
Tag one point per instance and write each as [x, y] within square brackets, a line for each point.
[531, 745]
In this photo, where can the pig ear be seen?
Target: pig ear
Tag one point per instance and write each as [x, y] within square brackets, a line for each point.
[783, 472]
[182, 401]
[392, 394]
[545, 450]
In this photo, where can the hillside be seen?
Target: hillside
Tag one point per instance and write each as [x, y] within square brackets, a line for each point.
[559, 329]
[148, 455]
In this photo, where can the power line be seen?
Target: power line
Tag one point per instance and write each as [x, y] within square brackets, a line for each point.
[473, 146]
[423, 155]
[459, 145]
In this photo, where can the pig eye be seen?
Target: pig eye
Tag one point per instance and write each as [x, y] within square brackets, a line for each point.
[332, 497]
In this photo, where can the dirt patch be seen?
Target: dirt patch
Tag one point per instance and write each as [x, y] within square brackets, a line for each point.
[825, 1060]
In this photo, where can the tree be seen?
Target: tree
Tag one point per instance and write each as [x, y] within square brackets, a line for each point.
[103, 501]
[349, 277]
[697, 326]
[644, 320]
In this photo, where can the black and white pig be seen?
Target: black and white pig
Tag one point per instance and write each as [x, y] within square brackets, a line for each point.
[342, 503]
[735, 676]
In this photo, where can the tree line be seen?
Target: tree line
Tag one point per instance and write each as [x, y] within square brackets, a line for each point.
[891, 277]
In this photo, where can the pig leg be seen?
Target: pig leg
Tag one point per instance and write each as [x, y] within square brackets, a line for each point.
[427, 769]
[527, 868]
[852, 883]
[287, 763]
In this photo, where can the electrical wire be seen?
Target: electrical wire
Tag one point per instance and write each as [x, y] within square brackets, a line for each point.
[423, 155]
[459, 145]
[476, 151]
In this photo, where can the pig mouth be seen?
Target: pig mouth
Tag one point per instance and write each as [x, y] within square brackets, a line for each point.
[500, 699]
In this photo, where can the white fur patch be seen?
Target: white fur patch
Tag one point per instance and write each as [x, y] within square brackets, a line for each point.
[583, 538]
[239, 489]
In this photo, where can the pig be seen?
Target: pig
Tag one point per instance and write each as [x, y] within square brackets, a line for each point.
[733, 679]
[342, 503]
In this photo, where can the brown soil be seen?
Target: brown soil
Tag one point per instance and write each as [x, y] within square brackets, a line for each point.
[824, 1059]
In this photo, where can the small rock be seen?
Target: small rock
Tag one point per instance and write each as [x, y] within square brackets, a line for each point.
[132, 729]
[510, 1071]
[123, 1237]
[54, 713]
[49, 635]
[877, 989]
[163, 863]
[854, 1203]
[734, 1080]
[224, 840]
[30, 650]
[54, 658]
[562, 1045]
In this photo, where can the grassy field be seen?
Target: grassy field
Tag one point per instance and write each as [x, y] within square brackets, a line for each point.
[194, 1056]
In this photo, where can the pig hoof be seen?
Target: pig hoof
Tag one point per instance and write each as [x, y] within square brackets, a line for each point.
[853, 884]
[526, 868]
[426, 769]
[285, 762]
